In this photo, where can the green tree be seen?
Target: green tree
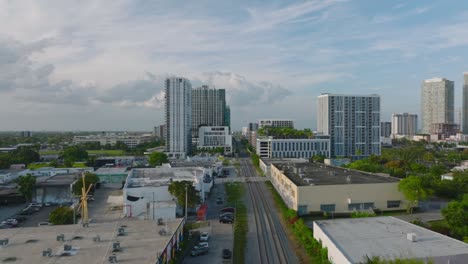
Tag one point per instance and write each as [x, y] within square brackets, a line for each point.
[177, 189]
[24, 155]
[414, 190]
[26, 186]
[456, 216]
[4, 160]
[318, 158]
[61, 216]
[157, 159]
[74, 153]
[90, 178]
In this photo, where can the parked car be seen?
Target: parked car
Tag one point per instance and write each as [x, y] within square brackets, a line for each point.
[230, 215]
[228, 210]
[197, 251]
[11, 223]
[204, 236]
[226, 220]
[18, 218]
[227, 254]
[202, 244]
[4, 226]
[8, 225]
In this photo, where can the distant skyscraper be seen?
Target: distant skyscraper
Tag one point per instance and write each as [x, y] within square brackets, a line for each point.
[385, 129]
[465, 104]
[437, 106]
[253, 126]
[208, 108]
[178, 117]
[353, 123]
[404, 125]
[227, 117]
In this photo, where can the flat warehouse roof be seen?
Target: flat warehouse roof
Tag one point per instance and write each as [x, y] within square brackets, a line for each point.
[386, 237]
[140, 244]
[304, 174]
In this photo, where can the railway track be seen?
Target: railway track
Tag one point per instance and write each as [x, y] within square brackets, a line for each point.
[273, 244]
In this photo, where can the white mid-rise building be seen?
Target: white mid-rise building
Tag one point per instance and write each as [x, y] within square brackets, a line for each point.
[437, 103]
[269, 147]
[112, 139]
[178, 117]
[404, 125]
[210, 137]
[146, 190]
[353, 123]
[275, 123]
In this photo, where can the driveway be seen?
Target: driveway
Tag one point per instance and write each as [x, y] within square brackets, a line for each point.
[221, 235]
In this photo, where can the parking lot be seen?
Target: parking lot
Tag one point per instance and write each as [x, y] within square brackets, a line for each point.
[99, 209]
[221, 235]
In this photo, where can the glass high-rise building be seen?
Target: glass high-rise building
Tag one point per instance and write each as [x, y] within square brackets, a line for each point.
[353, 123]
[208, 108]
[178, 104]
[437, 103]
[465, 104]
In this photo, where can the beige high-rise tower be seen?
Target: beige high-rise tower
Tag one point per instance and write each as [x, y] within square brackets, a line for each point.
[437, 103]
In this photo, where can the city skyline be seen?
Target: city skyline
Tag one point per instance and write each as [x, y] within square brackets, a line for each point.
[101, 66]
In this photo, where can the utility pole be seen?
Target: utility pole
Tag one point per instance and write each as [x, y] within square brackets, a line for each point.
[186, 199]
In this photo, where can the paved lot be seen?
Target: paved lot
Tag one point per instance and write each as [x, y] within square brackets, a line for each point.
[10, 210]
[221, 235]
[424, 217]
[99, 210]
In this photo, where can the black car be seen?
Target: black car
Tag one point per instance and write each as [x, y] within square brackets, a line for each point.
[227, 254]
[228, 215]
[226, 220]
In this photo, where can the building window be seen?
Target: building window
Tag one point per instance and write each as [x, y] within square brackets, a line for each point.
[393, 204]
[327, 207]
[354, 206]
[302, 209]
[368, 205]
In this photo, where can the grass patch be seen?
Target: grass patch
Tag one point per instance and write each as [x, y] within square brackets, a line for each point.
[235, 192]
[107, 152]
[35, 166]
[79, 165]
[50, 152]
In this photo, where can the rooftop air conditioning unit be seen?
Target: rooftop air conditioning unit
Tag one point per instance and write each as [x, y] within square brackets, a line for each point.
[113, 259]
[47, 253]
[412, 237]
[121, 231]
[67, 247]
[61, 237]
[116, 246]
[4, 242]
[97, 238]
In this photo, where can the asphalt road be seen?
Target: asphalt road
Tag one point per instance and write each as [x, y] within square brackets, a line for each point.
[267, 239]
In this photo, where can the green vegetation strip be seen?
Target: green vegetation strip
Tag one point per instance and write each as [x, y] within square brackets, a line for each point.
[302, 232]
[235, 193]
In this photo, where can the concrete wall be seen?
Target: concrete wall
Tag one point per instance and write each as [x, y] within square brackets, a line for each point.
[53, 194]
[334, 253]
[341, 195]
[285, 187]
[112, 178]
[145, 195]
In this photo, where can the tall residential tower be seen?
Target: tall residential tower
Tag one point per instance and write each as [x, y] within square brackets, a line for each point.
[353, 123]
[404, 125]
[437, 106]
[465, 104]
[208, 108]
[178, 117]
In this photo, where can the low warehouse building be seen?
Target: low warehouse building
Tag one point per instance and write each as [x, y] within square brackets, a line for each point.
[315, 187]
[356, 240]
[146, 194]
[55, 189]
[124, 241]
[112, 175]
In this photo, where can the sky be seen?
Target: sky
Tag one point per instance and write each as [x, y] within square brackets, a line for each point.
[100, 65]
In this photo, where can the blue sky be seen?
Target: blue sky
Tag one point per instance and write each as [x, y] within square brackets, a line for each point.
[99, 65]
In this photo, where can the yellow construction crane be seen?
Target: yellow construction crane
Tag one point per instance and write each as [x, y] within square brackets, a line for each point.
[84, 202]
